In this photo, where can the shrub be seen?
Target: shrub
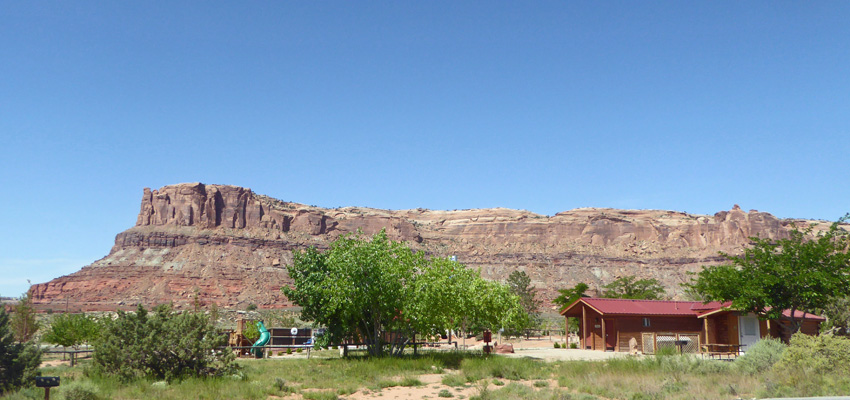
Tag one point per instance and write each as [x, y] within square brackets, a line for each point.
[162, 345]
[813, 365]
[319, 396]
[557, 345]
[573, 345]
[18, 361]
[761, 356]
[280, 385]
[454, 380]
[445, 393]
[80, 391]
[817, 355]
[251, 307]
[288, 350]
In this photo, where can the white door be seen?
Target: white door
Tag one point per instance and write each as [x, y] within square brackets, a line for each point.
[748, 331]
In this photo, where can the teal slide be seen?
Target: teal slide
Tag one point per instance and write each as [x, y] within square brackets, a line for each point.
[265, 336]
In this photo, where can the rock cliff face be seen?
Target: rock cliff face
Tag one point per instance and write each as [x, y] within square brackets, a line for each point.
[230, 246]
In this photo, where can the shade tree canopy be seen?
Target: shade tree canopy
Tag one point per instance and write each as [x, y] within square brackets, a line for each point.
[629, 287]
[806, 272]
[380, 292]
[569, 296]
[71, 330]
[519, 284]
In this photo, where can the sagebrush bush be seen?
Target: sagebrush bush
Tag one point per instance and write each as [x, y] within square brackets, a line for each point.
[811, 366]
[79, 391]
[161, 345]
[817, 355]
[761, 356]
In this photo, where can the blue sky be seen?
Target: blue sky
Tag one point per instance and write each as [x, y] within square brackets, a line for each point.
[544, 106]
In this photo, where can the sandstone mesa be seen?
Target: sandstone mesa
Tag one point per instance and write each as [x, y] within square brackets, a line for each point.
[230, 246]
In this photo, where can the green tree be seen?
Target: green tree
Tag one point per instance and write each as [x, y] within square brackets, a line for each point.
[569, 296]
[629, 287]
[519, 284]
[837, 314]
[18, 361]
[24, 323]
[803, 272]
[447, 295]
[381, 292]
[161, 344]
[71, 330]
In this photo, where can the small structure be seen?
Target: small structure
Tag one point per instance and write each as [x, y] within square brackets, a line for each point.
[279, 338]
[687, 326]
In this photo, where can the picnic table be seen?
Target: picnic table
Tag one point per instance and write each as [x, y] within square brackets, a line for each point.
[722, 349]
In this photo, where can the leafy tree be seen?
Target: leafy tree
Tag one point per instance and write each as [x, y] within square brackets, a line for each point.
[381, 292]
[447, 295]
[24, 324]
[18, 361]
[837, 314]
[161, 344]
[71, 330]
[629, 287]
[519, 284]
[804, 272]
[251, 331]
[569, 296]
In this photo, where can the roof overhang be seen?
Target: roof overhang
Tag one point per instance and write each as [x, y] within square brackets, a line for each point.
[569, 309]
[717, 311]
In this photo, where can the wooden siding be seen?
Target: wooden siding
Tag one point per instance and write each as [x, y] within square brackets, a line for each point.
[632, 327]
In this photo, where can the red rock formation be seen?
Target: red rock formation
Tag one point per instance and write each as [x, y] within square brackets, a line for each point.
[231, 246]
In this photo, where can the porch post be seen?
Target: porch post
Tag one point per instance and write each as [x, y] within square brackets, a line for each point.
[583, 327]
[604, 338]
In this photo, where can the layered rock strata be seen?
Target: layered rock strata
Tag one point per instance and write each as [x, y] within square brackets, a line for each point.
[227, 245]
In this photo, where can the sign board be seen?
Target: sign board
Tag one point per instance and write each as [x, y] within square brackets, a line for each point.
[46, 381]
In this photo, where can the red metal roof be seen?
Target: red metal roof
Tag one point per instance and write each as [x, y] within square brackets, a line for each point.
[663, 307]
[641, 307]
[804, 315]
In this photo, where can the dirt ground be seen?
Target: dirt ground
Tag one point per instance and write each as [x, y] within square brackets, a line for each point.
[542, 349]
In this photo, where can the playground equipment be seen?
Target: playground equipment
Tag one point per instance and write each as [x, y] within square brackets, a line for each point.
[265, 336]
[270, 339]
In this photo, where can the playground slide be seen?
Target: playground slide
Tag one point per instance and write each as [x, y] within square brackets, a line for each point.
[265, 336]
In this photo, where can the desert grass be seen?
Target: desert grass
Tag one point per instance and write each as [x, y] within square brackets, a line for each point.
[491, 377]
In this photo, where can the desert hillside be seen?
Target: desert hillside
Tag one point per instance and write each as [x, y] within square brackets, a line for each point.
[231, 246]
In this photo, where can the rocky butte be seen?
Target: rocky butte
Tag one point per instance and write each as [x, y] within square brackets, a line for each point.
[228, 245]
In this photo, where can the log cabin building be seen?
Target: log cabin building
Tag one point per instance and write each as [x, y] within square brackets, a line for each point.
[690, 326]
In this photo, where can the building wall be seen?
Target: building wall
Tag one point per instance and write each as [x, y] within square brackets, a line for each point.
[632, 327]
[592, 339]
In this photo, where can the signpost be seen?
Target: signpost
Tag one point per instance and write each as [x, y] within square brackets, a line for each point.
[46, 382]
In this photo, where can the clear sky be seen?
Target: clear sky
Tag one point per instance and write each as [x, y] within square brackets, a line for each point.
[544, 106]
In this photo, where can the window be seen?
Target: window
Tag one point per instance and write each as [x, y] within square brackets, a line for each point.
[646, 322]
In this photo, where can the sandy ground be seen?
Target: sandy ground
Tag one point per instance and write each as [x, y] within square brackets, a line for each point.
[542, 349]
